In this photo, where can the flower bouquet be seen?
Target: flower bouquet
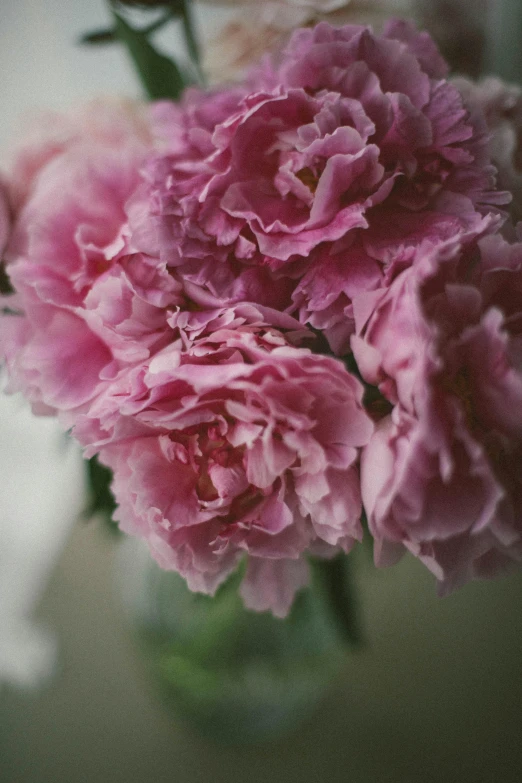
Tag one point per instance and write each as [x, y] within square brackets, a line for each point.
[279, 315]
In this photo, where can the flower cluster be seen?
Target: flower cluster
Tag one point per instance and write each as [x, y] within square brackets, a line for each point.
[185, 274]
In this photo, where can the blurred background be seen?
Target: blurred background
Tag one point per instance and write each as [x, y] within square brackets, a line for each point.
[436, 692]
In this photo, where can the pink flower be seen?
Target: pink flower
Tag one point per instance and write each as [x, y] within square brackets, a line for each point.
[502, 107]
[258, 28]
[343, 158]
[441, 475]
[232, 441]
[210, 272]
[88, 302]
[106, 122]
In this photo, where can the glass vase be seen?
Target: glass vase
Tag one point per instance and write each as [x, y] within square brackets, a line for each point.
[234, 675]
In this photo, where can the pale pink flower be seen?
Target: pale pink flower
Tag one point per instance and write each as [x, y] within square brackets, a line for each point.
[441, 475]
[109, 122]
[458, 26]
[232, 441]
[258, 28]
[88, 301]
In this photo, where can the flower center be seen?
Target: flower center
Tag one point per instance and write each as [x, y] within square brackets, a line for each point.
[308, 178]
[204, 447]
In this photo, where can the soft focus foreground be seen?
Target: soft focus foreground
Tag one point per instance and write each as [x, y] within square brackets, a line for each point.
[436, 689]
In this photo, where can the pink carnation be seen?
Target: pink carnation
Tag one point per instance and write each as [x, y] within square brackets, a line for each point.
[103, 122]
[502, 107]
[233, 441]
[341, 160]
[87, 302]
[441, 475]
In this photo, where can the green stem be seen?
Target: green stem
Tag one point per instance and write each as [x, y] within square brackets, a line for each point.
[334, 576]
[160, 75]
[159, 23]
[191, 38]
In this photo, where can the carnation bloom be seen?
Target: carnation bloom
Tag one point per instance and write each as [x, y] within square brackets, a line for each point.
[441, 475]
[108, 122]
[502, 107]
[87, 302]
[256, 29]
[336, 164]
[233, 441]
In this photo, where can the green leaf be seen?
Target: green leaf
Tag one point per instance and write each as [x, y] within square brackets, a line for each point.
[190, 37]
[334, 578]
[101, 500]
[160, 75]
[99, 37]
